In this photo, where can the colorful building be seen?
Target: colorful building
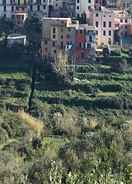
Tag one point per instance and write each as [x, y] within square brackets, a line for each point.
[85, 42]
[58, 34]
[66, 35]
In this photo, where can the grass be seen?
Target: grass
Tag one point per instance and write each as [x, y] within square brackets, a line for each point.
[106, 94]
[14, 88]
[60, 94]
[125, 55]
[52, 145]
[34, 124]
[14, 75]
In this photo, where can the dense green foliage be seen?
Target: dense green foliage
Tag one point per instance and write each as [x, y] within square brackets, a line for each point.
[87, 127]
[32, 29]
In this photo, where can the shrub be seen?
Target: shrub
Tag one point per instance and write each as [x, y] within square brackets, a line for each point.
[66, 123]
[108, 102]
[116, 53]
[119, 66]
[33, 123]
[109, 87]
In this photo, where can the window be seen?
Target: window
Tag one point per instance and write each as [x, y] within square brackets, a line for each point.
[104, 33]
[109, 24]
[97, 24]
[31, 8]
[53, 44]
[12, 8]
[90, 38]
[82, 55]
[104, 24]
[54, 36]
[4, 8]
[54, 30]
[109, 33]
[61, 45]
[38, 8]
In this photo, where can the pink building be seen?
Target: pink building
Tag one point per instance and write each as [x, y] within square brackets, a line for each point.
[103, 20]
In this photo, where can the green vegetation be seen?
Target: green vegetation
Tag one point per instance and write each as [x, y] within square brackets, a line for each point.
[77, 131]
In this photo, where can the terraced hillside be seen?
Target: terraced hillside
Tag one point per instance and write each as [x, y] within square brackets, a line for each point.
[95, 88]
[96, 91]
[14, 90]
[76, 132]
[15, 84]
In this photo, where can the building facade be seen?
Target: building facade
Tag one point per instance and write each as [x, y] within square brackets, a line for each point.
[84, 7]
[58, 34]
[19, 9]
[15, 9]
[66, 35]
[103, 20]
[85, 42]
[62, 8]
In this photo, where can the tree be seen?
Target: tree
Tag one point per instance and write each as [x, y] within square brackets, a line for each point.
[6, 25]
[61, 62]
[32, 29]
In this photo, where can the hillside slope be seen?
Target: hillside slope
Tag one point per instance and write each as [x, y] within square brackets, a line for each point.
[75, 133]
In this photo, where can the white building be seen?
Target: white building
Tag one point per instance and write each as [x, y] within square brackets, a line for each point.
[83, 6]
[16, 39]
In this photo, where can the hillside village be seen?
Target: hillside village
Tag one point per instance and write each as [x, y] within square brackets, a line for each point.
[82, 28]
[65, 91]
